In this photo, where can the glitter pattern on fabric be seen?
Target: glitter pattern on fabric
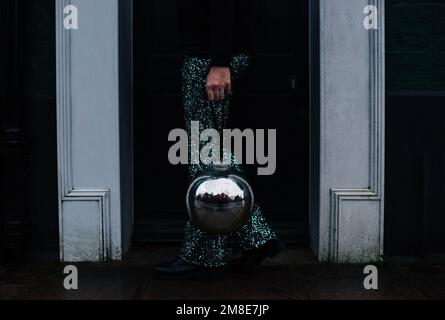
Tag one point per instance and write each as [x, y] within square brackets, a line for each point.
[201, 248]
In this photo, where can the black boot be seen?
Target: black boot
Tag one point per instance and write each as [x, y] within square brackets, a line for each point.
[252, 259]
[181, 269]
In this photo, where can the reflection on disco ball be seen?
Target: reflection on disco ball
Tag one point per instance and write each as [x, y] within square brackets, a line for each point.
[219, 201]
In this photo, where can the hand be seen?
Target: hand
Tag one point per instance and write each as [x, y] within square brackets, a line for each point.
[219, 83]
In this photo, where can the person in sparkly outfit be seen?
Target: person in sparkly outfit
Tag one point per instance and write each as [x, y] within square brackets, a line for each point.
[216, 37]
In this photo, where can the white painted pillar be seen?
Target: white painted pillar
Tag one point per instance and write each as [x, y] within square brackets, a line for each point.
[94, 145]
[347, 216]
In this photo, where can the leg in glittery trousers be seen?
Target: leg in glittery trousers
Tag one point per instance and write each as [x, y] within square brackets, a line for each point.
[201, 248]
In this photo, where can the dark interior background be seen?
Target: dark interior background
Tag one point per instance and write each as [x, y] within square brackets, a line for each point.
[28, 161]
[415, 187]
[274, 94]
[415, 127]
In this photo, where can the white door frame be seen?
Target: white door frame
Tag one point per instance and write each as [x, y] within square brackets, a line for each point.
[94, 120]
[94, 131]
[348, 123]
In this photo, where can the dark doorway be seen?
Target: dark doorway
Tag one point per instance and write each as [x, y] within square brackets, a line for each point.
[274, 95]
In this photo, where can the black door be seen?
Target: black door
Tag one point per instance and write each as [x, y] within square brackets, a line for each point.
[274, 95]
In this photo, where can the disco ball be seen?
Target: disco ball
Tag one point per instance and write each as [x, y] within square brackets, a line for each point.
[219, 201]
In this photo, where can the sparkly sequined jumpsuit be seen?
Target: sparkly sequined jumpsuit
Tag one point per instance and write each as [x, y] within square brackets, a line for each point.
[200, 248]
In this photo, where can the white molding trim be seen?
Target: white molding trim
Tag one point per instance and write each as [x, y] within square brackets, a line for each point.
[339, 197]
[102, 198]
[377, 144]
[98, 199]
[349, 207]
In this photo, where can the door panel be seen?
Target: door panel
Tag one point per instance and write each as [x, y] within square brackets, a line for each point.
[415, 175]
